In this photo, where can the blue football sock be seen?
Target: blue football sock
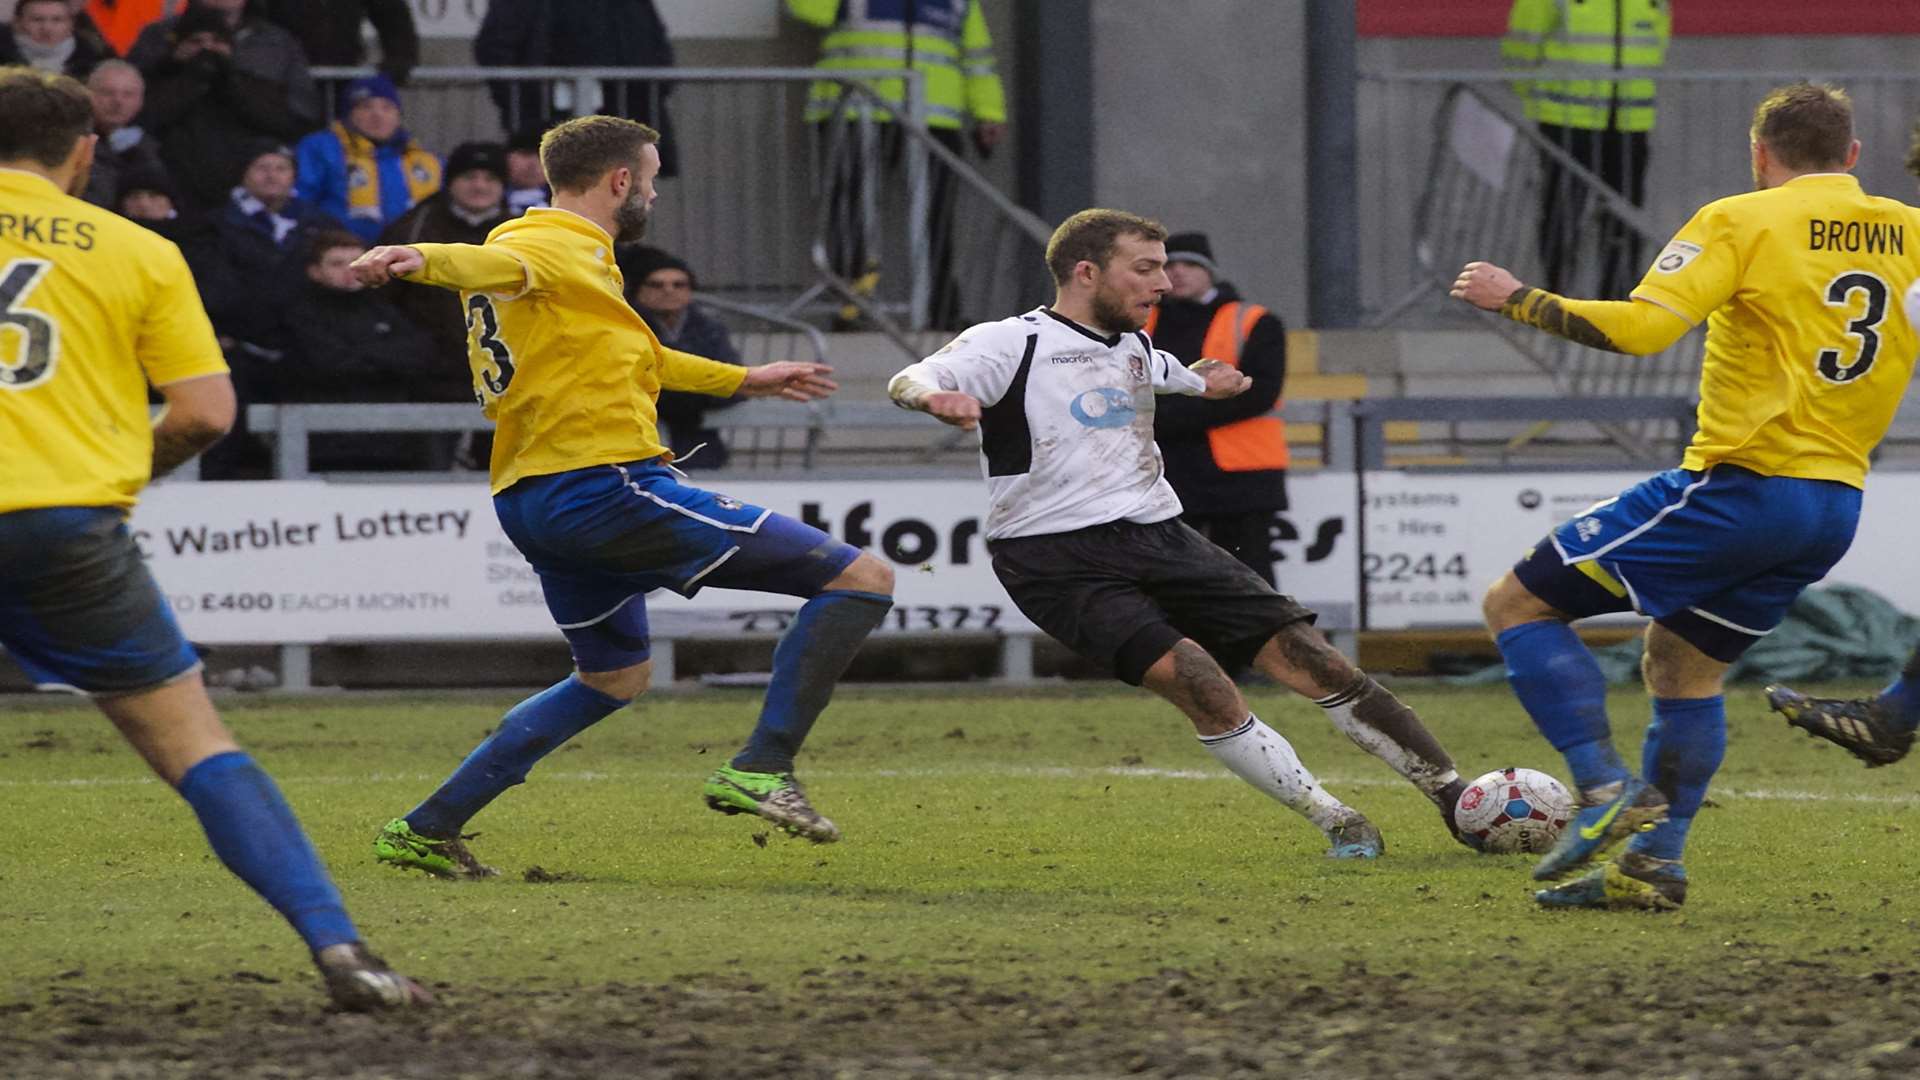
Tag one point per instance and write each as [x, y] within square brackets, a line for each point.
[1902, 699]
[1684, 747]
[530, 731]
[811, 657]
[1560, 685]
[256, 835]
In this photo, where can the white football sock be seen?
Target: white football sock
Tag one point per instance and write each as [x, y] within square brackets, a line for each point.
[1262, 757]
[1431, 772]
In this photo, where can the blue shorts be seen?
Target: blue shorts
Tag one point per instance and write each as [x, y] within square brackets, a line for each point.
[78, 607]
[1717, 556]
[603, 537]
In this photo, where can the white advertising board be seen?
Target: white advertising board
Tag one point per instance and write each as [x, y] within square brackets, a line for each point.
[292, 562]
[684, 18]
[289, 562]
[1434, 542]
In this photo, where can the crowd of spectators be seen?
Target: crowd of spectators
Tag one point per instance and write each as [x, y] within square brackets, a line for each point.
[211, 132]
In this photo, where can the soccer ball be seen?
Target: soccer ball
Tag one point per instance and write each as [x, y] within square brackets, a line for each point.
[1514, 810]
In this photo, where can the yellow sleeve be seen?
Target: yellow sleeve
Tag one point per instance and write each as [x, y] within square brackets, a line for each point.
[986, 97]
[176, 341]
[814, 12]
[479, 268]
[1637, 327]
[1698, 270]
[697, 374]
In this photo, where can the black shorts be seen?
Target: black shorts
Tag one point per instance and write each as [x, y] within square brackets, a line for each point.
[1123, 594]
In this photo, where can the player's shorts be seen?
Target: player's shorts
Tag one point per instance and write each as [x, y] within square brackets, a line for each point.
[1123, 594]
[78, 607]
[1717, 557]
[603, 537]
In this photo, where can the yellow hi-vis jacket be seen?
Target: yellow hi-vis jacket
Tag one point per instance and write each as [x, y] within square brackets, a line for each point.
[1600, 36]
[945, 40]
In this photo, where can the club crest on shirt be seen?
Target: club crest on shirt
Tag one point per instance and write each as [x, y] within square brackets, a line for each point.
[1675, 256]
[1137, 365]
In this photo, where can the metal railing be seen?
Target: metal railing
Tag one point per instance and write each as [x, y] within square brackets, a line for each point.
[974, 253]
[770, 208]
[1697, 152]
[1498, 189]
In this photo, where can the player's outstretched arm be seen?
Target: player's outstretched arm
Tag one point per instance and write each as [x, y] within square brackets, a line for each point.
[790, 379]
[1223, 379]
[1623, 326]
[197, 413]
[909, 391]
[377, 266]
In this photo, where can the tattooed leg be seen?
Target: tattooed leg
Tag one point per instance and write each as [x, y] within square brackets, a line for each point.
[1362, 710]
[1195, 683]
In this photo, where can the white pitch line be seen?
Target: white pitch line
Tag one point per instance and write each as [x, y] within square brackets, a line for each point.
[1036, 772]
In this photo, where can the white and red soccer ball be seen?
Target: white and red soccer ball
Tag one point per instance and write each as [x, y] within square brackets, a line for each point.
[1510, 811]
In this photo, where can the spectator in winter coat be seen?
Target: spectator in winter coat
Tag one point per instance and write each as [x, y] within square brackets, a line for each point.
[330, 32]
[42, 36]
[579, 33]
[660, 287]
[248, 257]
[146, 196]
[463, 212]
[366, 170]
[118, 93]
[207, 111]
[266, 52]
[348, 343]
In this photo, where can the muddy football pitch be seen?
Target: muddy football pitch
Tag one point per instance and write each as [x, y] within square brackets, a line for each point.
[1059, 883]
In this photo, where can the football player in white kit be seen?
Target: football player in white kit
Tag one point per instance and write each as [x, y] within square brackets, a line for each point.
[1085, 532]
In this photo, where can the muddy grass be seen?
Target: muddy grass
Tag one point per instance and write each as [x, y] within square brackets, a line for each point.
[1755, 1020]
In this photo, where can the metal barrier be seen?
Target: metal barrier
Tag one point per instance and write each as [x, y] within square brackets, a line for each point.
[741, 202]
[1490, 185]
[975, 253]
[768, 207]
[1698, 153]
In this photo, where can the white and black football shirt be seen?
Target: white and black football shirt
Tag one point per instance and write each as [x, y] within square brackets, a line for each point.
[1066, 420]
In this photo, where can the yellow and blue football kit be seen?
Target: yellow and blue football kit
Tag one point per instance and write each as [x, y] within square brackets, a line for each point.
[570, 374]
[93, 308]
[582, 486]
[1808, 354]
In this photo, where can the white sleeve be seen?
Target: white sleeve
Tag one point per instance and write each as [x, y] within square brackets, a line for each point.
[1169, 375]
[980, 363]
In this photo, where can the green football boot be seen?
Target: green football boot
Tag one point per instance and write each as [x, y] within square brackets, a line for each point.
[1631, 882]
[774, 796]
[398, 845]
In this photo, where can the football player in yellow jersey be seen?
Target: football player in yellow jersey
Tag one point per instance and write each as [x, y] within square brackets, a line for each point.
[1808, 354]
[583, 486]
[92, 308]
[1878, 730]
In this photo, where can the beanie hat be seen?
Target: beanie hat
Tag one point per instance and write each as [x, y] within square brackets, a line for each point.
[368, 86]
[469, 156]
[1191, 247]
[638, 261]
[257, 148]
[201, 20]
[146, 178]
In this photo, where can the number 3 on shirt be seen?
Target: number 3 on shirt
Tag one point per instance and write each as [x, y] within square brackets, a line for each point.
[483, 324]
[1866, 327]
[37, 336]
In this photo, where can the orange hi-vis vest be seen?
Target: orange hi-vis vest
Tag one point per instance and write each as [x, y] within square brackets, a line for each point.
[1258, 442]
[120, 21]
